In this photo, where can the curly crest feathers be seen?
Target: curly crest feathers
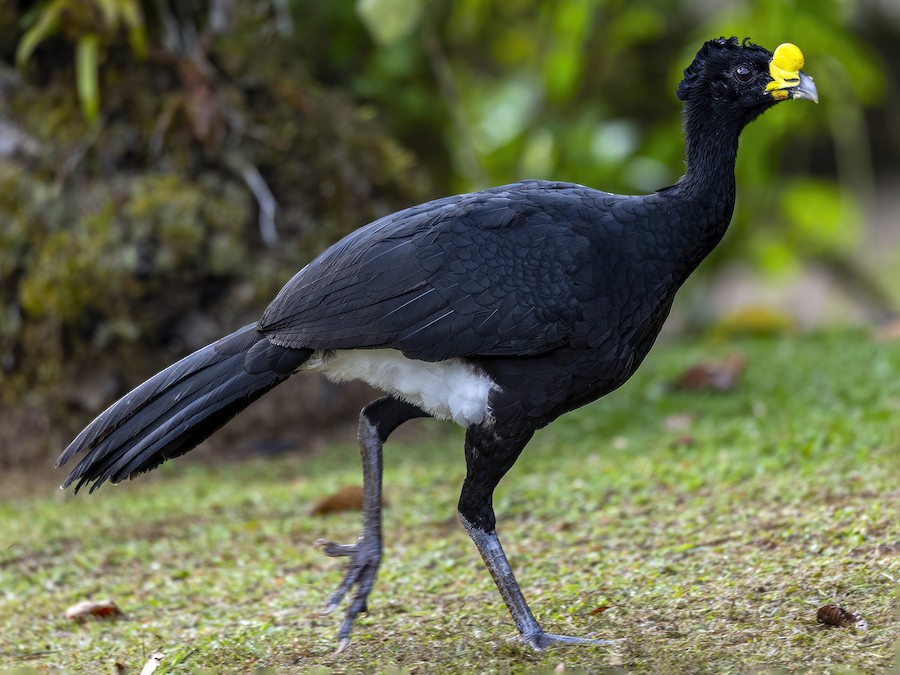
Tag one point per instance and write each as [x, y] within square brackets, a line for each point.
[712, 52]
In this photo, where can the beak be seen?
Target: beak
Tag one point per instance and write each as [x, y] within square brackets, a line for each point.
[806, 89]
[788, 81]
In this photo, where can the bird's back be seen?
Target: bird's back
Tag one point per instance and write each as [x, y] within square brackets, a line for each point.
[503, 272]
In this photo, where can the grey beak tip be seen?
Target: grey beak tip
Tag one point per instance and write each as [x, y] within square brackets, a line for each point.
[806, 89]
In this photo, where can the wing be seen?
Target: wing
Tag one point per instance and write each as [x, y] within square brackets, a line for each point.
[500, 272]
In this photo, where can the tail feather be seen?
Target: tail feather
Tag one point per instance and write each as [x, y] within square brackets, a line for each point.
[162, 407]
[177, 409]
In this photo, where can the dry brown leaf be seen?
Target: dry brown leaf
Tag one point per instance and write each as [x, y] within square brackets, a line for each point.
[90, 609]
[349, 498]
[833, 615]
[598, 610]
[713, 375]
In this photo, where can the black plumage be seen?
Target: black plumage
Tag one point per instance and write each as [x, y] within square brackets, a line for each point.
[501, 309]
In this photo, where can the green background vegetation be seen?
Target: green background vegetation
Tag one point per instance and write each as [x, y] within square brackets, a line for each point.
[167, 166]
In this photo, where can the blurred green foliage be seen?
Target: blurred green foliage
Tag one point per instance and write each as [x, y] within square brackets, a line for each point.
[581, 91]
[118, 232]
[146, 146]
[91, 25]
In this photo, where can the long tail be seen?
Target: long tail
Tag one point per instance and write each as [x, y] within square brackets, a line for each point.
[175, 410]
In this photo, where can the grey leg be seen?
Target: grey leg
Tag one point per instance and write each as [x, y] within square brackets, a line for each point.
[491, 551]
[376, 422]
[488, 458]
[365, 554]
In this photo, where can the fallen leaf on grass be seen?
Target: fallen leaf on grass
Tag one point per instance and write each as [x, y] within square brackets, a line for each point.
[713, 375]
[348, 498]
[89, 609]
[152, 664]
[598, 610]
[833, 615]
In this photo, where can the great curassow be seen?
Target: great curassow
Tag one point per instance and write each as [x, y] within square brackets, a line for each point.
[500, 310]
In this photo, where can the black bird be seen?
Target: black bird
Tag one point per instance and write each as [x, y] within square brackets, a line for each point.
[500, 310]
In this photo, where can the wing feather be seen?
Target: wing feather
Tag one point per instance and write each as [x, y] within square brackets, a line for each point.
[492, 273]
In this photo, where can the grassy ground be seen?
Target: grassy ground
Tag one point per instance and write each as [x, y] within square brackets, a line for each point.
[704, 529]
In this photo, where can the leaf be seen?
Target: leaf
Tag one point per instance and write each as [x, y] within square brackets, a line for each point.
[834, 615]
[110, 11]
[153, 662]
[87, 73]
[133, 19]
[389, 20]
[713, 375]
[89, 609]
[48, 23]
[349, 498]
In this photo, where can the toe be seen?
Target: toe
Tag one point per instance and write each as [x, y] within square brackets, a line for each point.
[544, 640]
[334, 550]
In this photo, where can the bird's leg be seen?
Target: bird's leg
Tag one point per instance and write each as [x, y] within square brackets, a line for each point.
[530, 630]
[488, 459]
[365, 554]
[376, 422]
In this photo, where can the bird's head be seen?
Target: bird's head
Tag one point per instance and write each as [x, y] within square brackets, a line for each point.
[743, 79]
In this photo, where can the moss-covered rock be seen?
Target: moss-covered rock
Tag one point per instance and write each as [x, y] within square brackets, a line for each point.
[127, 242]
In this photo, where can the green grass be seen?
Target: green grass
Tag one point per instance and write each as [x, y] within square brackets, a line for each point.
[710, 555]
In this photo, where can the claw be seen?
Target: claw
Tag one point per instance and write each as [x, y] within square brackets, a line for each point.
[361, 570]
[333, 550]
[541, 641]
[364, 556]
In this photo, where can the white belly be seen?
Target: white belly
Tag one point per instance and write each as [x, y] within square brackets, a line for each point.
[450, 389]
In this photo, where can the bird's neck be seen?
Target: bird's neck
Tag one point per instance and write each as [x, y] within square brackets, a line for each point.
[711, 145]
[707, 189]
[702, 202]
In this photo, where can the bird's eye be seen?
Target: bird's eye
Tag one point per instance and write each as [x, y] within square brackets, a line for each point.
[743, 74]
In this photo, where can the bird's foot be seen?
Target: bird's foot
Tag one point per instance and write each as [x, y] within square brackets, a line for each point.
[362, 568]
[540, 641]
